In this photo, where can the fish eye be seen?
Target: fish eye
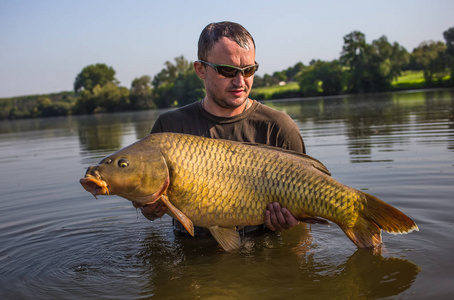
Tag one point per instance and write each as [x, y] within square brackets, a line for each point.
[123, 163]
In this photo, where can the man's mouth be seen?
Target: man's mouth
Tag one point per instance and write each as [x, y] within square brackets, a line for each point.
[237, 92]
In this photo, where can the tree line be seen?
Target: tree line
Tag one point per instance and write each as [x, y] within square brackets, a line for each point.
[361, 68]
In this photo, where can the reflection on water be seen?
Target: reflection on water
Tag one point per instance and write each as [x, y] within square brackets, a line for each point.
[202, 271]
[56, 241]
[386, 120]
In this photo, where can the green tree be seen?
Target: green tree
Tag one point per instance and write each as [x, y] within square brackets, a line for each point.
[371, 68]
[269, 80]
[431, 56]
[93, 75]
[321, 78]
[308, 81]
[292, 72]
[110, 97]
[171, 71]
[331, 76]
[280, 76]
[384, 63]
[140, 93]
[177, 84]
[188, 88]
[258, 81]
[353, 56]
[449, 38]
[391, 58]
[106, 98]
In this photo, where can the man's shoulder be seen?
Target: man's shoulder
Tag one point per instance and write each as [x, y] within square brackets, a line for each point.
[186, 111]
[273, 115]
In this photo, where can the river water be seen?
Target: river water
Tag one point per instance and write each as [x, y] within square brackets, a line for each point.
[58, 242]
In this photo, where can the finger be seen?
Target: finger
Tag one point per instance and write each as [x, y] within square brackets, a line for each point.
[161, 210]
[268, 221]
[273, 224]
[282, 222]
[290, 220]
[152, 207]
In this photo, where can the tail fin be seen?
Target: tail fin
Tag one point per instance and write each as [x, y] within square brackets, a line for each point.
[376, 216]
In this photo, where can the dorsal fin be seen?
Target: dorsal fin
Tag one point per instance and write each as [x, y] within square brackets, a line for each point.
[314, 162]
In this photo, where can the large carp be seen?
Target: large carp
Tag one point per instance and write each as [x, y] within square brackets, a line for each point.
[221, 184]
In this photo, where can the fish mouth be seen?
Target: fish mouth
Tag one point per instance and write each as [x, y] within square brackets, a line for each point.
[95, 186]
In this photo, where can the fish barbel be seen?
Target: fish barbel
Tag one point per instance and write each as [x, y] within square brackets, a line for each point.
[221, 184]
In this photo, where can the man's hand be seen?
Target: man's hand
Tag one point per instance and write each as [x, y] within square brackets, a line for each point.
[278, 218]
[152, 211]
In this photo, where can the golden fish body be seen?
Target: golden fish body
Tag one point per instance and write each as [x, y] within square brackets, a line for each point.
[221, 184]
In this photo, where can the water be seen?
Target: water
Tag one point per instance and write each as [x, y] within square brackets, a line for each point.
[58, 242]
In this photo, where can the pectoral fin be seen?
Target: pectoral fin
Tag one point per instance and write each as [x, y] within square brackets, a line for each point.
[228, 238]
[180, 216]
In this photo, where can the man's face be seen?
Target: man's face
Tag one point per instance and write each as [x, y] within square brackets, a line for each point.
[229, 93]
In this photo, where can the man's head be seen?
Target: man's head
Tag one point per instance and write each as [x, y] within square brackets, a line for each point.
[226, 43]
[213, 32]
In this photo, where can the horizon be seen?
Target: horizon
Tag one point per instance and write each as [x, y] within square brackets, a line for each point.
[46, 44]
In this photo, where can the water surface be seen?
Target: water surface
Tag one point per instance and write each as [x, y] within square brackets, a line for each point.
[58, 242]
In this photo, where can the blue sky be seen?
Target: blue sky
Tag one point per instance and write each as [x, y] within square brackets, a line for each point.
[44, 44]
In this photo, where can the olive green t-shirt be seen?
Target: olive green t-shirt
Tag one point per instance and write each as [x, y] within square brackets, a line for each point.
[258, 124]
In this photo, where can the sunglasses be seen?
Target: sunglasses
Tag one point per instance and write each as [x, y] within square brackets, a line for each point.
[231, 71]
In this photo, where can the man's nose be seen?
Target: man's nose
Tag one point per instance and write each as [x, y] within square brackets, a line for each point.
[239, 79]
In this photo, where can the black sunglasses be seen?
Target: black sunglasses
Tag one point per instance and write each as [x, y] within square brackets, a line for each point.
[231, 71]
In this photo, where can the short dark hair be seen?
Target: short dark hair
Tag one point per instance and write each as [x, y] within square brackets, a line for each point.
[214, 31]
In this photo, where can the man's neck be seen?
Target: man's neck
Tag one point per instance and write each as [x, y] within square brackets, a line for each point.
[220, 111]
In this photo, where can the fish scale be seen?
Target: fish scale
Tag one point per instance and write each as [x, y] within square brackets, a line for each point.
[221, 184]
[217, 173]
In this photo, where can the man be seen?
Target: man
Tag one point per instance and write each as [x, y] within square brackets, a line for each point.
[226, 53]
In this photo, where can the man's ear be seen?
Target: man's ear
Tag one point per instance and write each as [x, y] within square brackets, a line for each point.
[200, 69]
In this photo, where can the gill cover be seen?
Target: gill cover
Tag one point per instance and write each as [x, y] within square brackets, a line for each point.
[136, 173]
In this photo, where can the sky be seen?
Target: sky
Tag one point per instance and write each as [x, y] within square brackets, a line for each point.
[44, 44]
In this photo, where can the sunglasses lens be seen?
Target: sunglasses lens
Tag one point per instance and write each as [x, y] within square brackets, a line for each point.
[248, 72]
[227, 71]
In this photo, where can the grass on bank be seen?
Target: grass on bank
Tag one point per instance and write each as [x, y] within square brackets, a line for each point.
[275, 91]
[407, 80]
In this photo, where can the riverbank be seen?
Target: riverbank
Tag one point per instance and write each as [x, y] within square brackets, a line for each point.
[409, 80]
[60, 104]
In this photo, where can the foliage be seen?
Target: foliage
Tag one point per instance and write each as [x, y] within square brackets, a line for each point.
[106, 98]
[321, 78]
[431, 56]
[288, 75]
[177, 84]
[50, 105]
[292, 72]
[371, 68]
[99, 91]
[140, 93]
[449, 38]
[93, 75]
